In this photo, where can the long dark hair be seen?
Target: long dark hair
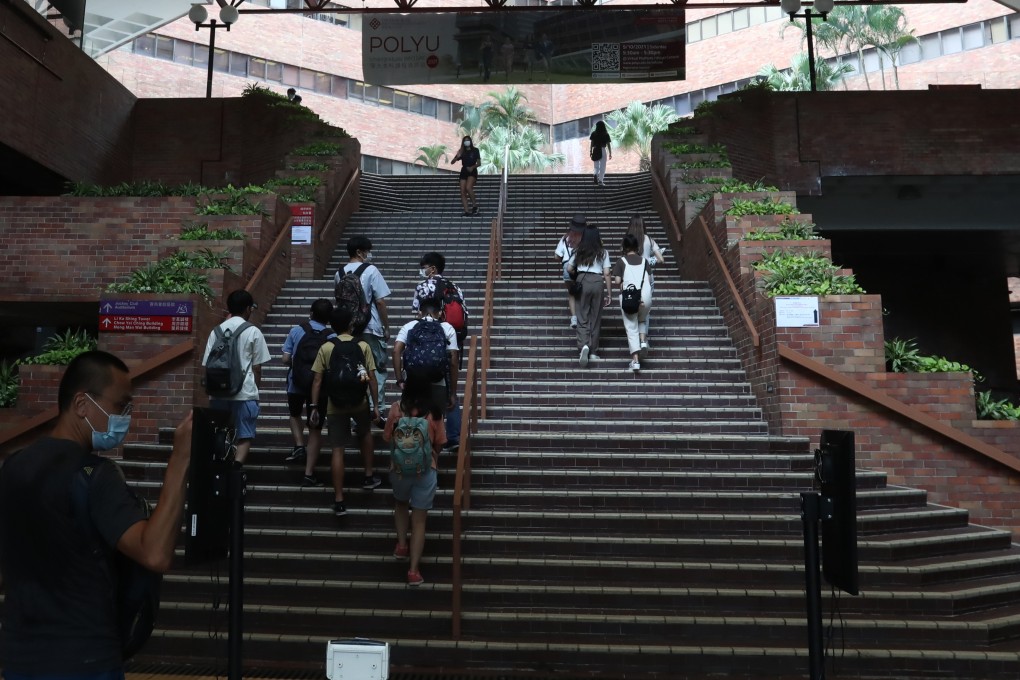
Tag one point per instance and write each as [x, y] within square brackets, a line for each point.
[417, 398]
[637, 227]
[590, 248]
[600, 134]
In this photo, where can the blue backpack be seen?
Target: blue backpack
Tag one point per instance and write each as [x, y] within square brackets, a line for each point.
[425, 354]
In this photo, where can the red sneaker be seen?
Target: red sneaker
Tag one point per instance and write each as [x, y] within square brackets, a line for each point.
[414, 578]
[400, 551]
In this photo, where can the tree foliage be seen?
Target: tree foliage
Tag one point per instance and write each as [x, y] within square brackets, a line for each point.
[634, 127]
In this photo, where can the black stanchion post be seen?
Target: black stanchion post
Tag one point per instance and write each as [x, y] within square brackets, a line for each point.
[810, 507]
[235, 633]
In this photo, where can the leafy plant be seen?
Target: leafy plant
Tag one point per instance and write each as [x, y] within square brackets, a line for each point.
[903, 356]
[233, 204]
[788, 231]
[59, 349]
[334, 131]
[300, 196]
[732, 186]
[202, 259]
[681, 148]
[313, 166]
[319, 149]
[175, 274]
[430, 154]
[989, 408]
[300, 181]
[201, 232]
[707, 108]
[635, 125]
[765, 206]
[256, 90]
[694, 165]
[9, 384]
[682, 130]
[789, 274]
[144, 188]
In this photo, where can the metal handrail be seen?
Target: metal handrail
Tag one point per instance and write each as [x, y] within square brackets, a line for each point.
[462, 479]
[355, 174]
[737, 300]
[494, 270]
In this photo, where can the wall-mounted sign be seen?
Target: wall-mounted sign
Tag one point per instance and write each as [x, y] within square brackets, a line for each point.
[145, 316]
[796, 311]
[302, 219]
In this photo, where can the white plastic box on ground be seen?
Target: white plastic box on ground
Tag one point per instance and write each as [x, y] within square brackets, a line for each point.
[357, 659]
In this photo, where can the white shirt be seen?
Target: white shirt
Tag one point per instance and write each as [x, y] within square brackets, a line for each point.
[564, 251]
[599, 266]
[254, 352]
[374, 285]
[650, 248]
[448, 330]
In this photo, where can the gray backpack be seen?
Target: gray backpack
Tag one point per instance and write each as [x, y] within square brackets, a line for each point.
[224, 369]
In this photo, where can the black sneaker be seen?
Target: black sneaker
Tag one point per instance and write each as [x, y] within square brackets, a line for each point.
[298, 454]
[371, 482]
[339, 509]
[310, 480]
[474, 210]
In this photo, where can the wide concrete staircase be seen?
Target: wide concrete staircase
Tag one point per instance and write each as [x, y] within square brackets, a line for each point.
[621, 525]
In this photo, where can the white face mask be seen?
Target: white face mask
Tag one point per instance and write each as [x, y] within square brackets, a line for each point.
[368, 257]
[467, 145]
[422, 273]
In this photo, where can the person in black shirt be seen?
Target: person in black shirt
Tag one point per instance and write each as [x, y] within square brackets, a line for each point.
[293, 97]
[59, 613]
[470, 159]
[600, 145]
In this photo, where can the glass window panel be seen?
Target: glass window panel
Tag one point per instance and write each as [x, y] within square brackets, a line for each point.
[910, 54]
[952, 42]
[709, 28]
[385, 96]
[371, 93]
[931, 46]
[221, 60]
[184, 52]
[973, 36]
[385, 166]
[998, 30]
[146, 44]
[322, 82]
[570, 130]
[238, 64]
[400, 100]
[558, 132]
[256, 67]
[458, 113]
[339, 86]
[414, 103]
[871, 61]
[306, 79]
[694, 32]
[429, 107]
[725, 22]
[368, 163]
[585, 125]
[399, 168]
[773, 12]
[201, 56]
[696, 98]
[445, 111]
[682, 104]
[1014, 26]
[164, 47]
[290, 75]
[755, 16]
[355, 89]
[274, 71]
[741, 19]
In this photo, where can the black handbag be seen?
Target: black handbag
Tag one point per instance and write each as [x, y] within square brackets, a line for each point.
[630, 297]
[596, 152]
[575, 287]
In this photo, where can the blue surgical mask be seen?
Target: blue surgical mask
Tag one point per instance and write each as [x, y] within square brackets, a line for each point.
[368, 257]
[422, 273]
[116, 430]
[467, 145]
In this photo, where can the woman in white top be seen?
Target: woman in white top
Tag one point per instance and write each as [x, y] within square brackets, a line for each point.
[632, 270]
[564, 251]
[649, 250]
[591, 262]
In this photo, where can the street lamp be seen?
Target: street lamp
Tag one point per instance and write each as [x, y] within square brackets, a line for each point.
[822, 7]
[198, 14]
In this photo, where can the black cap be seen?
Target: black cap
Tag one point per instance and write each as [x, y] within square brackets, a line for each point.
[577, 222]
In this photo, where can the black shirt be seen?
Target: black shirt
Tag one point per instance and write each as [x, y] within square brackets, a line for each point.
[469, 157]
[59, 612]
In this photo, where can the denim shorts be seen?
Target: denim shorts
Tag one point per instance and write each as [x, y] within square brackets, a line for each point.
[418, 491]
[245, 414]
[566, 271]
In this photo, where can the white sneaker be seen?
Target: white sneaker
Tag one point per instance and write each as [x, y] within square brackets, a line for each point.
[584, 356]
[594, 357]
[644, 344]
[635, 366]
[573, 322]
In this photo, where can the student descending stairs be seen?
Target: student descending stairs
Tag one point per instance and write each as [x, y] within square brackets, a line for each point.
[621, 524]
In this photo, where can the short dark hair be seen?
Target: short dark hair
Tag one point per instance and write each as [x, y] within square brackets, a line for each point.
[431, 304]
[291, 90]
[433, 259]
[321, 310]
[239, 301]
[356, 243]
[341, 320]
[88, 372]
[629, 242]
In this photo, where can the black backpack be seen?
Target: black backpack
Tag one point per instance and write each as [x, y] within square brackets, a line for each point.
[350, 295]
[136, 588]
[425, 352]
[224, 369]
[304, 356]
[343, 377]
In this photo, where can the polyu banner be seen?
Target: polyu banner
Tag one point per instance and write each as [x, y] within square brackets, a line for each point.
[570, 46]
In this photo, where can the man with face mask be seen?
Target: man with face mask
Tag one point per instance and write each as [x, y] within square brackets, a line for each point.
[59, 613]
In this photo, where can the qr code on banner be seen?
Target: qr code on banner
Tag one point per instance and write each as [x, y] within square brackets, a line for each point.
[605, 56]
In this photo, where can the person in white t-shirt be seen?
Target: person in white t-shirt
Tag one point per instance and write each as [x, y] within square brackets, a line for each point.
[591, 262]
[650, 251]
[444, 391]
[564, 251]
[254, 352]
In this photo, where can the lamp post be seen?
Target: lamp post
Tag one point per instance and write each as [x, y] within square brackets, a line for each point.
[822, 7]
[198, 14]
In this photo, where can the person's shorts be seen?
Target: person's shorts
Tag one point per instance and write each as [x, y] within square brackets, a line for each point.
[465, 173]
[566, 272]
[419, 492]
[296, 403]
[245, 414]
[340, 425]
[378, 346]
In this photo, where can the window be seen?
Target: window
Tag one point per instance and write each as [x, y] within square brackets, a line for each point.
[368, 164]
[974, 36]
[290, 75]
[998, 31]
[306, 79]
[355, 89]
[911, 53]
[145, 45]
[339, 86]
[238, 64]
[871, 61]
[322, 82]
[682, 104]
[201, 56]
[570, 130]
[952, 41]
[371, 93]
[725, 23]
[756, 15]
[414, 103]
[184, 52]
[429, 106]
[221, 61]
[741, 19]
[400, 100]
[445, 111]
[931, 46]
[256, 67]
[385, 96]
[274, 71]
[694, 32]
[773, 12]
[385, 166]
[164, 47]
[399, 168]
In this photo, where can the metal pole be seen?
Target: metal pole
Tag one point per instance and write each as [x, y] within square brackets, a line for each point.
[212, 47]
[235, 633]
[810, 508]
[810, 50]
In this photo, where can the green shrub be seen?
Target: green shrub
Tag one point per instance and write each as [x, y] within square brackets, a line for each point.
[141, 189]
[8, 384]
[707, 108]
[61, 348]
[334, 131]
[694, 165]
[300, 196]
[765, 206]
[681, 148]
[319, 149]
[788, 231]
[302, 181]
[682, 130]
[989, 408]
[691, 179]
[311, 166]
[233, 204]
[787, 274]
[201, 232]
[903, 356]
[732, 186]
[175, 274]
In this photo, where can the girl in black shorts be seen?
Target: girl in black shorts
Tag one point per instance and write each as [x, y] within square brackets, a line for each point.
[470, 159]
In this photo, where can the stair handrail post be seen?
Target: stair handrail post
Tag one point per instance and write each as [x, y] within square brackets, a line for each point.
[462, 483]
[734, 293]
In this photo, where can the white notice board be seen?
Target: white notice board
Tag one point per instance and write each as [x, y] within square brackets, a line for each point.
[796, 311]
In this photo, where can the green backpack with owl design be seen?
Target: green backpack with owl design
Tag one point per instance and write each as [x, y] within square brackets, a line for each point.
[410, 448]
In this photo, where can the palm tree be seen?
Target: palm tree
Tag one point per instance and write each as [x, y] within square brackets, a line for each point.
[508, 109]
[889, 35]
[829, 33]
[471, 124]
[634, 127]
[526, 153]
[798, 76]
[430, 155]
